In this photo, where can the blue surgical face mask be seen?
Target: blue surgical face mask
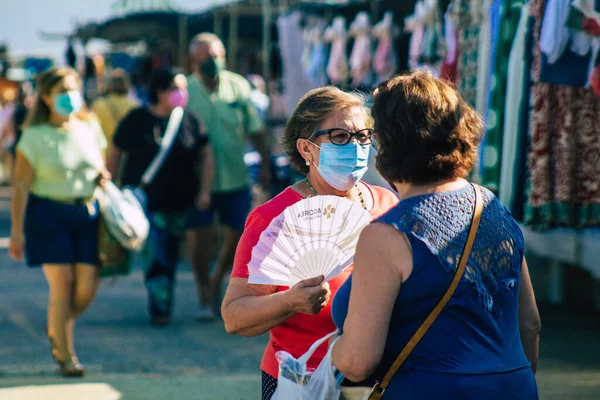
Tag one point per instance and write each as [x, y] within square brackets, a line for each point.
[342, 166]
[68, 103]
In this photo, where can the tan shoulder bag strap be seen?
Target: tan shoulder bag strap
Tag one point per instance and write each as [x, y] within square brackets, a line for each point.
[379, 388]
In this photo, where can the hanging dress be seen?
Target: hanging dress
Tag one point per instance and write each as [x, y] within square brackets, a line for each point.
[564, 172]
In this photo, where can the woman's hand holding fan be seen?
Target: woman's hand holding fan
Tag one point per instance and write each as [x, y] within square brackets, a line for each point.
[309, 296]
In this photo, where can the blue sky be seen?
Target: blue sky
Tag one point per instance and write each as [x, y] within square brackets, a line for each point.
[21, 20]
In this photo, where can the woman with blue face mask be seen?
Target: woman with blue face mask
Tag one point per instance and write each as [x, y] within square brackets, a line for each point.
[59, 162]
[328, 139]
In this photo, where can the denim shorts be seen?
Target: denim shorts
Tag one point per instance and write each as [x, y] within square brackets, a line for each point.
[232, 208]
[60, 233]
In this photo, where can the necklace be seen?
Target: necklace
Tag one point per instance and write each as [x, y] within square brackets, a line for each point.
[360, 193]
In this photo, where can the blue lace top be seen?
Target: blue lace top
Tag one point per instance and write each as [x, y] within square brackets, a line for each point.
[478, 331]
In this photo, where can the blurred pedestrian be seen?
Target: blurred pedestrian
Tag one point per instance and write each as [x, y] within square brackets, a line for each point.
[221, 98]
[258, 96]
[59, 162]
[184, 179]
[115, 105]
[24, 100]
[9, 99]
[90, 80]
[16, 127]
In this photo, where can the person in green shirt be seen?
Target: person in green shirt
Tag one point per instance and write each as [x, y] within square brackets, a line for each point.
[59, 163]
[221, 99]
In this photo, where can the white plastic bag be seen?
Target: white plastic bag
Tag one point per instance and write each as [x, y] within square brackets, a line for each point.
[139, 193]
[296, 382]
[124, 216]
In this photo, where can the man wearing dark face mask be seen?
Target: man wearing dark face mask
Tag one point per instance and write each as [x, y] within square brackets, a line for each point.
[221, 98]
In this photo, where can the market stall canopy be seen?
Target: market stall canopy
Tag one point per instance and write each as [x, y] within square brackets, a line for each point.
[136, 20]
[132, 24]
[133, 27]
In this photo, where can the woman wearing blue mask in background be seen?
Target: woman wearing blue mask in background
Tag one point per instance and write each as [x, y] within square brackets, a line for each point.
[59, 162]
[328, 139]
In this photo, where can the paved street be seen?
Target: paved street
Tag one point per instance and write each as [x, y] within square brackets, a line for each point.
[186, 360]
[128, 359]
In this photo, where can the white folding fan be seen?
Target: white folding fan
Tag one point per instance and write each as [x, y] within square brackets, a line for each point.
[316, 236]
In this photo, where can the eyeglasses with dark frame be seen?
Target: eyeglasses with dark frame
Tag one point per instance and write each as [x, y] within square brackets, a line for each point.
[340, 136]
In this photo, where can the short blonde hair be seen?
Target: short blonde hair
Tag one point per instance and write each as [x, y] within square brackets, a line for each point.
[312, 110]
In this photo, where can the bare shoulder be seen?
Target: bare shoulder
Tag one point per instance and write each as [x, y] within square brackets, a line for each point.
[386, 246]
[381, 235]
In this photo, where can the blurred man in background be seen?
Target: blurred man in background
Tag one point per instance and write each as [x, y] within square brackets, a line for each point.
[222, 100]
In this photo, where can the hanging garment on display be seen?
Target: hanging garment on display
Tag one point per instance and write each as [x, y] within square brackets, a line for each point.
[496, 14]
[492, 154]
[315, 70]
[295, 81]
[466, 17]
[416, 46]
[565, 53]
[429, 54]
[564, 172]
[595, 81]
[485, 59]
[306, 36]
[594, 60]
[588, 21]
[385, 62]
[337, 68]
[488, 40]
[416, 28]
[581, 43]
[434, 49]
[590, 8]
[554, 36]
[448, 69]
[521, 164]
[575, 19]
[570, 69]
[515, 90]
[591, 26]
[584, 21]
[564, 187]
[360, 58]
[417, 24]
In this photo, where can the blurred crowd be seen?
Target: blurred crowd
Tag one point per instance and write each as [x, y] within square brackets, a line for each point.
[64, 134]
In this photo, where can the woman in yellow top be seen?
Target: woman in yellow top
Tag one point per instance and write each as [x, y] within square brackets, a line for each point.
[58, 164]
[113, 107]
